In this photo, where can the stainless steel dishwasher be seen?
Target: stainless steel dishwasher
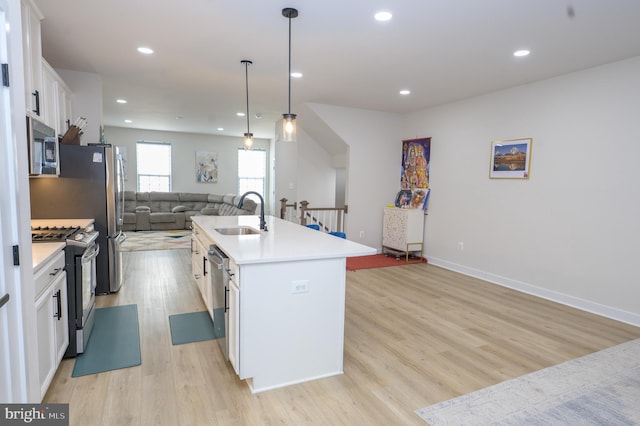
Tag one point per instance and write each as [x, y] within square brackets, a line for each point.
[219, 283]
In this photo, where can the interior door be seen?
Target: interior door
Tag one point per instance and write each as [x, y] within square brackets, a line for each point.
[5, 274]
[14, 384]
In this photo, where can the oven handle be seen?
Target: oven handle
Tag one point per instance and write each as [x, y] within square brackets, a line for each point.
[90, 254]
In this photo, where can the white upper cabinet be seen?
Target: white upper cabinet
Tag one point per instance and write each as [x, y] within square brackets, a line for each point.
[55, 100]
[49, 97]
[32, 46]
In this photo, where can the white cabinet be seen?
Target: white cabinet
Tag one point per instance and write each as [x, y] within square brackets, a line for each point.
[49, 96]
[64, 113]
[201, 267]
[233, 322]
[32, 47]
[55, 101]
[403, 230]
[52, 332]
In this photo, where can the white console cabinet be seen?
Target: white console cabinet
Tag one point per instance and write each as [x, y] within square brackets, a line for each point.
[403, 230]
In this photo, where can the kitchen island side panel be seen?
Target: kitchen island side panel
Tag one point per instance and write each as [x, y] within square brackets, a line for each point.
[291, 321]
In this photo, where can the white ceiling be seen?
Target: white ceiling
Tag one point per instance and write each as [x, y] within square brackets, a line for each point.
[441, 50]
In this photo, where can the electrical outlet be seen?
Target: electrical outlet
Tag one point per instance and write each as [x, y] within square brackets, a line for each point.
[299, 286]
[460, 246]
[361, 234]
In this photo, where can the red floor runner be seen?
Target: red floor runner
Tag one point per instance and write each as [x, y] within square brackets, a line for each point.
[379, 261]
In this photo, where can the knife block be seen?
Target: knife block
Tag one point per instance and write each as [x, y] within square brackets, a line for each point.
[72, 136]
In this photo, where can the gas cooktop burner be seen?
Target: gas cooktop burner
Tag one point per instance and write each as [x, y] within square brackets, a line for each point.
[52, 233]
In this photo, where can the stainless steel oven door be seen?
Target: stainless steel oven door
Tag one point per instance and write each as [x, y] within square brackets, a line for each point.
[89, 281]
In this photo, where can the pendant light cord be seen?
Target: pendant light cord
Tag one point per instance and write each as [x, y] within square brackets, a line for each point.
[289, 64]
[246, 79]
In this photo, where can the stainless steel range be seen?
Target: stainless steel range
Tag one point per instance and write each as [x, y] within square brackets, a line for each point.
[80, 262]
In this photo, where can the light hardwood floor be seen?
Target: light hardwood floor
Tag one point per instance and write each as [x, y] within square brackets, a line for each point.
[415, 335]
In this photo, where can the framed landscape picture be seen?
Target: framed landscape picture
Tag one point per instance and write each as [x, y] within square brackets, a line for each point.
[510, 159]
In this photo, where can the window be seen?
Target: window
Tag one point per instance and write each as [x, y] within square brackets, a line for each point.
[252, 171]
[154, 166]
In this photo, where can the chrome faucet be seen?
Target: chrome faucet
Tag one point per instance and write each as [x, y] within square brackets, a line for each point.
[263, 223]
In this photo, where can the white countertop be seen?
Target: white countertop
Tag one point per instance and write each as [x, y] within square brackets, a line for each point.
[284, 241]
[82, 223]
[42, 252]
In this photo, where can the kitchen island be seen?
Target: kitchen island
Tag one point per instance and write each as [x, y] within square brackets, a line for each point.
[286, 298]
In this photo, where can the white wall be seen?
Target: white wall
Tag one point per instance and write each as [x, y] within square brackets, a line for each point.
[568, 233]
[86, 101]
[373, 172]
[316, 173]
[183, 152]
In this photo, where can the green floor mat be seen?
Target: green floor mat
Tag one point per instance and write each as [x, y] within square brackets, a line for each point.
[114, 342]
[191, 327]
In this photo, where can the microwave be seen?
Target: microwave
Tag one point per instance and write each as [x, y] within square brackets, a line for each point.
[44, 157]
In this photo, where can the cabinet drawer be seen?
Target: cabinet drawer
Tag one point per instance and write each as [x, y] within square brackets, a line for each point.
[48, 272]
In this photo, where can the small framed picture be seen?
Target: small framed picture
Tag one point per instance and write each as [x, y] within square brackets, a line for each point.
[419, 198]
[403, 199]
[510, 159]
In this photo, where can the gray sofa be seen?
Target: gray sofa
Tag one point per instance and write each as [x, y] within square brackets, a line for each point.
[151, 211]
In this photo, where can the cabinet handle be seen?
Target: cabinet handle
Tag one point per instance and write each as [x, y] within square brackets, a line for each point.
[204, 266]
[36, 95]
[226, 306]
[4, 299]
[58, 315]
[55, 272]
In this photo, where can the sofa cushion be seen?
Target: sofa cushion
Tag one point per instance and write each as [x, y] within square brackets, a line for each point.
[229, 199]
[190, 196]
[143, 209]
[214, 198]
[177, 209]
[229, 210]
[129, 217]
[209, 210]
[164, 217]
[142, 196]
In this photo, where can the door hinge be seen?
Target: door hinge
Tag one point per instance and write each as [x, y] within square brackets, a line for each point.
[5, 75]
[16, 256]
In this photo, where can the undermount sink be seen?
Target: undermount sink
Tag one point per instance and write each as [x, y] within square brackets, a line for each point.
[237, 230]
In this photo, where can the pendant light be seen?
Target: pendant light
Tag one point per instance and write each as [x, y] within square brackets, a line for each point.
[289, 120]
[248, 137]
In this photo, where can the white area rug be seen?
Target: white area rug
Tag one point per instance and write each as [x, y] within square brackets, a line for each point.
[602, 388]
[157, 240]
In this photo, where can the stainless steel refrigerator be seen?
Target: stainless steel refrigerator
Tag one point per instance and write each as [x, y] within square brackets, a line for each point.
[90, 185]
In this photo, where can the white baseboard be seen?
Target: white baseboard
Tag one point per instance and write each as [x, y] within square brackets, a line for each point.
[575, 302]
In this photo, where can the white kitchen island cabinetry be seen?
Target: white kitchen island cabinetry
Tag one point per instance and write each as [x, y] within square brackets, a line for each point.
[201, 267]
[287, 299]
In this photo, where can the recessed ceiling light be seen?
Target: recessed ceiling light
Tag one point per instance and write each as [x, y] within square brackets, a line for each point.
[383, 16]
[296, 74]
[121, 101]
[145, 50]
[178, 117]
[405, 92]
[220, 129]
[240, 114]
[521, 53]
[128, 121]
